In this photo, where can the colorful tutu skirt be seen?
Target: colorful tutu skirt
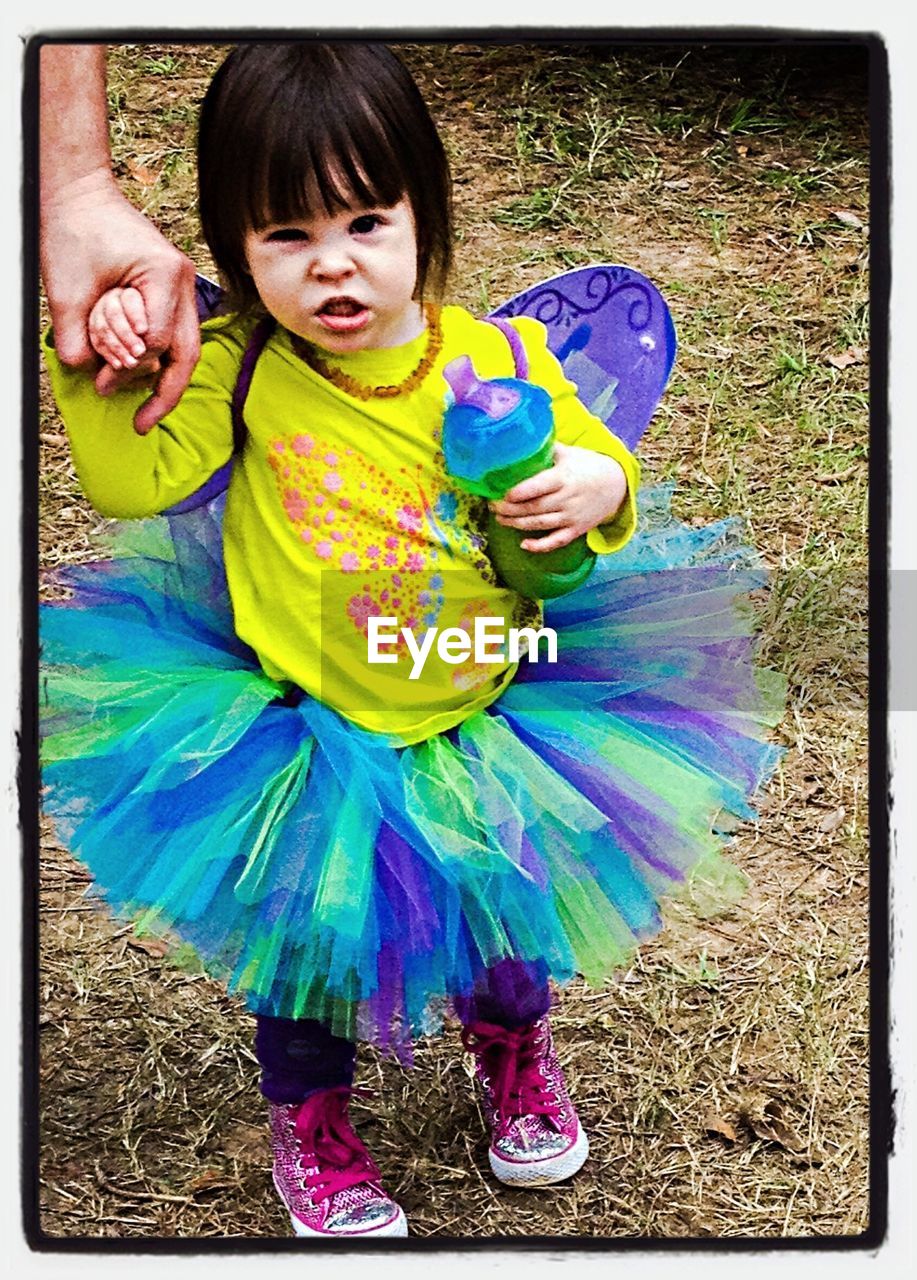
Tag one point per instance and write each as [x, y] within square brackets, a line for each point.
[325, 871]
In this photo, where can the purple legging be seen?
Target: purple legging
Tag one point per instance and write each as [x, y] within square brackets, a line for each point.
[299, 1056]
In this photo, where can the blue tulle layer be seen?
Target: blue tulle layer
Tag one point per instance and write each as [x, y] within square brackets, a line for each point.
[326, 873]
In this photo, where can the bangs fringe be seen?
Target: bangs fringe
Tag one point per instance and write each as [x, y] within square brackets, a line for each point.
[332, 165]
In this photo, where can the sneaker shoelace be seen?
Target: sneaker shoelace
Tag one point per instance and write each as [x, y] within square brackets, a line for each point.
[512, 1062]
[322, 1127]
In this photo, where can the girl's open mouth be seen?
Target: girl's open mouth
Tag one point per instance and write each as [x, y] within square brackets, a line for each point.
[343, 315]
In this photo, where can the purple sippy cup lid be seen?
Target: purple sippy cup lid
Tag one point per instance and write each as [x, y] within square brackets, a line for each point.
[494, 398]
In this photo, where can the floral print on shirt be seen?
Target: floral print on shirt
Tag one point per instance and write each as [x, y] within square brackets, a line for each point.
[397, 540]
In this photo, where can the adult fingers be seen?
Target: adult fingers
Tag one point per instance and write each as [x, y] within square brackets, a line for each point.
[108, 380]
[183, 352]
[71, 339]
[163, 281]
[144, 373]
[185, 347]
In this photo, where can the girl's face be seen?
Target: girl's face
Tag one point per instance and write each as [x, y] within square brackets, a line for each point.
[344, 281]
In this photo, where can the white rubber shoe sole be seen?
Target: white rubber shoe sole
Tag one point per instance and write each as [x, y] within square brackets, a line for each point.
[542, 1173]
[397, 1227]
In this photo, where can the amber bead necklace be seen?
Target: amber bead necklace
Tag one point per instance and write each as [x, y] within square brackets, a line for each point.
[359, 390]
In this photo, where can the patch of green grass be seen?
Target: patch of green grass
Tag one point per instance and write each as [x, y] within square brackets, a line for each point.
[545, 136]
[165, 64]
[681, 287]
[672, 120]
[821, 232]
[177, 165]
[716, 220]
[816, 615]
[118, 126]
[854, 329]
[542, 209]
[749, 116]
[840, 457]
[589, 139]
[703, 973]
[795, 183]
[179, 113]
[790, 365]
[774, 294]
[569, 257]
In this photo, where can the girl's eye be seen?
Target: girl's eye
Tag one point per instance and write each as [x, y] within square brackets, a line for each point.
[365, 223]
[286, 234]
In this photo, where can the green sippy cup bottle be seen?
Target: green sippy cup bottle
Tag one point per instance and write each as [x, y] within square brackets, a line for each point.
[497, 432]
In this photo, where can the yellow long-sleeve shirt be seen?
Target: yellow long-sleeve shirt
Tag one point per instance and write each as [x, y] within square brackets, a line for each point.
[338, 510]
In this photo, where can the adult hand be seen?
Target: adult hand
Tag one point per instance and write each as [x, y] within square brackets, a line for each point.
[93, 239]
[583, 489]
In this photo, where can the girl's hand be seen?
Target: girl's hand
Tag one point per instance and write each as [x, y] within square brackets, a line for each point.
[117, 323]
[582, 490]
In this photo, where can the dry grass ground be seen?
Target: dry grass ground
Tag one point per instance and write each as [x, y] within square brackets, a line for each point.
[723, 1078]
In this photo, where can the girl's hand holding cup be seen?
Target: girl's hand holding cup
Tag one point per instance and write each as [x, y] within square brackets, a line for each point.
[582, 490]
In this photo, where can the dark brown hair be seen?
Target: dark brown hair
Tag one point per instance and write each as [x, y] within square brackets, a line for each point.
[285, 126]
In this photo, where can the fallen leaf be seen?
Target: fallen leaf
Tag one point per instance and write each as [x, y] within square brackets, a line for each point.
[853, 355]
[831, 821]
[151, 946]
[848, 218]
[140, 173]
[767, 1121]
[716, 1124]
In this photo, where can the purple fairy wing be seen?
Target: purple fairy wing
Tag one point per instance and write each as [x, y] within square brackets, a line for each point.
[611, 330]
[209, 297]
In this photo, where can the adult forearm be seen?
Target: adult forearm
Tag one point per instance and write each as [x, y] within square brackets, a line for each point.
[75, 151]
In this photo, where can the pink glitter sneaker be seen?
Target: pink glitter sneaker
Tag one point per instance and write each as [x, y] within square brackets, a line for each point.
[536, 1137]
[324, 1174]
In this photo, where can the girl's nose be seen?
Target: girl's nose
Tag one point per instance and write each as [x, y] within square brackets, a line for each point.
[332, 262]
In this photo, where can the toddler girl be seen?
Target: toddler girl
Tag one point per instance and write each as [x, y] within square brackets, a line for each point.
[354, 848]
